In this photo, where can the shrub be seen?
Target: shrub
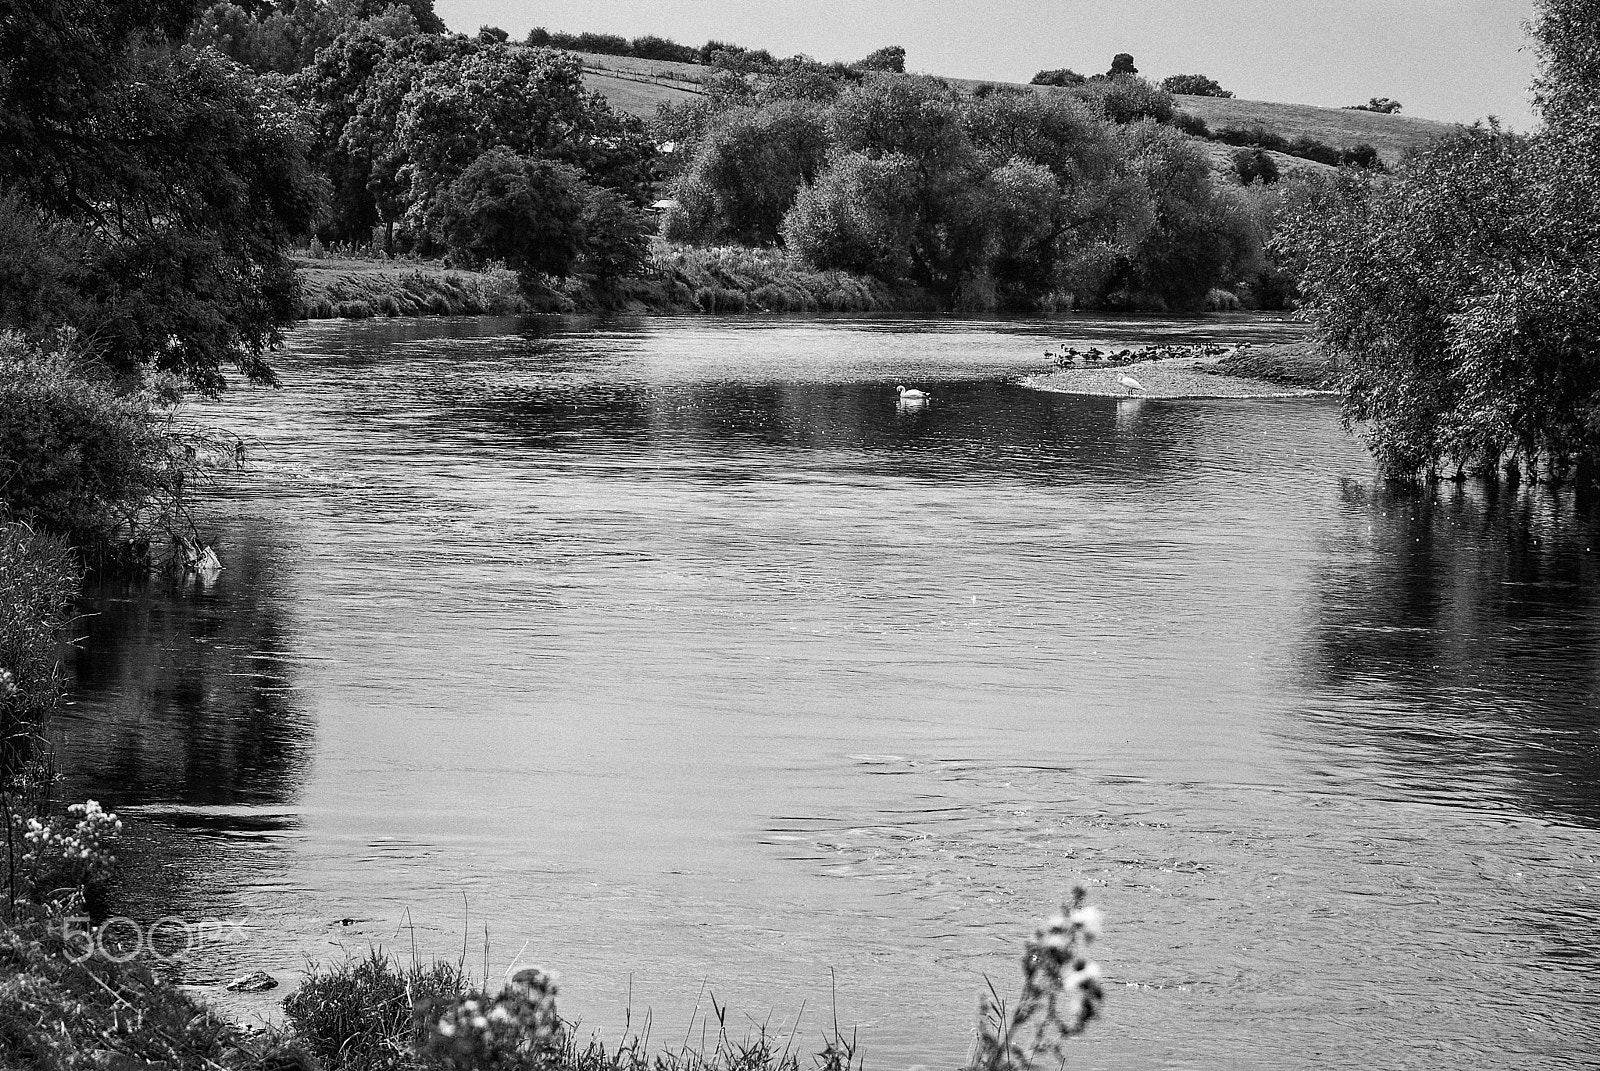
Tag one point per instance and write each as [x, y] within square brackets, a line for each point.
[79, 458]
[1251, 165]
[1062, 76]
[1193, 85]
[1310, 148]
[1382, 105]
[1129, 98]
[1363, 155]
[1222, 301]
[1190, 123]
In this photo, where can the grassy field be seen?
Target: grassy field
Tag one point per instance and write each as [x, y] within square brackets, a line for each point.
[1391, 135]
[639, 86]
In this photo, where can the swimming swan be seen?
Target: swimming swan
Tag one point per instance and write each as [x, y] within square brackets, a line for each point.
[912, 395]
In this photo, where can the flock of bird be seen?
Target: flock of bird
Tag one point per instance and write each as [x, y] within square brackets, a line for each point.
[1071, 356]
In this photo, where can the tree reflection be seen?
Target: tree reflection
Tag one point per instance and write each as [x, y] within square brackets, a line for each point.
[1458, 634]
[188, 698]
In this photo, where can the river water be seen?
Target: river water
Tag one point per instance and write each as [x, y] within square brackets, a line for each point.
[673, 655]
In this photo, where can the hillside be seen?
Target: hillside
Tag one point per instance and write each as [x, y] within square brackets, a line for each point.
[638, 86]
[1391, 135]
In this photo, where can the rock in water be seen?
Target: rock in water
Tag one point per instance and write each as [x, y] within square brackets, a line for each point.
[258, 982]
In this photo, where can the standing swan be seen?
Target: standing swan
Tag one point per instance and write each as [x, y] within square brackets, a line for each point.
[1129, 382]
[912, 395]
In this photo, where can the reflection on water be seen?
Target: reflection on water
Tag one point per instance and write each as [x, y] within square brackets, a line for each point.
[209, 740]
[676, 654]
[1458, 637]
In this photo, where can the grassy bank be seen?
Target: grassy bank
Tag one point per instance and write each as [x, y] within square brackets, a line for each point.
[677, 279]
[354, 288]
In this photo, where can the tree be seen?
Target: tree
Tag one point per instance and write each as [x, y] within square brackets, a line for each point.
[286, 38]
[745, 174]
[616, 236]
[169, 181]
[891, 58]
[1199, 237]
[1122, 63]
[526, 212]
[1193, 85]
[530, 101]
[1460, 294]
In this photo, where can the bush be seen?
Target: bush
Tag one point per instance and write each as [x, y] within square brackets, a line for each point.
[1190, 123]
[1129, 98]
[1256, 136]
[891, 59]
[1193, 85]
[1060, 77]
[1382, 105]
[80, 459]
[1251, 165]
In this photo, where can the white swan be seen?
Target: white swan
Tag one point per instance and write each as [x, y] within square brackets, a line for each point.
[912, 395]
[1130, 383]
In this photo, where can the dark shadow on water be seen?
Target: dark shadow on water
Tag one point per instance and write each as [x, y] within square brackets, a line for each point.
[186, 719]
[210, 670]
[1457, 636]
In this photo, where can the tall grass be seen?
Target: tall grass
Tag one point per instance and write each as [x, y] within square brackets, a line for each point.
[38, 580]
[358, 290]
[373, 1014]
[742, 279]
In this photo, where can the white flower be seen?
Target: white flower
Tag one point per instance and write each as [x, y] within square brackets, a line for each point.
[1088, 919]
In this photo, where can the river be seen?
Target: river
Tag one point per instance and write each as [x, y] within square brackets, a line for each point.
[673, 655]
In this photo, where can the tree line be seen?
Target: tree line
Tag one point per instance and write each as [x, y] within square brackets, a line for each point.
[994, 197]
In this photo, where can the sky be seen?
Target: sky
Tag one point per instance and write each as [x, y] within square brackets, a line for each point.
[1455, 60]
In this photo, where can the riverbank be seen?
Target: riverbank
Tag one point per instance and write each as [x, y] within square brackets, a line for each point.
[679, 279]
[1287, 370]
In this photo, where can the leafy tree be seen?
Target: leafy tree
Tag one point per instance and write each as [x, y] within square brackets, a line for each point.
[169, 182]
[1193, 85]
[1461, 293]
[861, 215]
[286, 37]
[661, 48]
[745, 174]
[616, 236]
[1200, 237]
[526, 212]
[333, 86]
[1122, 63]
[359, 93]
[891, 59]
[529, 101]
